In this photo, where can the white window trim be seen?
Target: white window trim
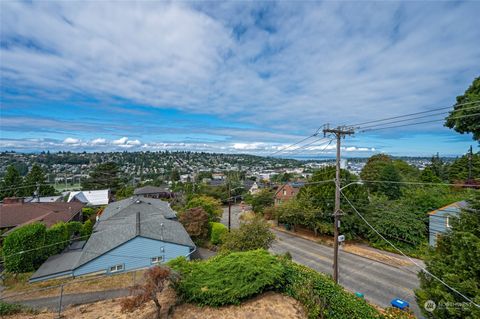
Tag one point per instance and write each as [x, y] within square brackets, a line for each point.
[116, 268]
[447, 222]
[156, 260]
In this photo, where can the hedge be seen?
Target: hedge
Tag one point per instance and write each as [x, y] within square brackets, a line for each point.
[39, 243]
[217, 230]
[321, 297]
[232, 278]
[227, 279]
[28, 238]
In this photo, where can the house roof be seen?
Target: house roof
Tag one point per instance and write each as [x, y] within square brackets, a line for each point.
[57, 264]
[93, 198]
[44, 199]
[150, 190]
[12, 215]
[133, 204]
[116, 231]
[450, 208]
[295, 185]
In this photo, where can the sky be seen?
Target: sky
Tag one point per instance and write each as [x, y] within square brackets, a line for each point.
[236, 77]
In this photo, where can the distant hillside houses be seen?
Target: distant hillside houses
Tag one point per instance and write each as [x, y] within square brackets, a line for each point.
[130, 234]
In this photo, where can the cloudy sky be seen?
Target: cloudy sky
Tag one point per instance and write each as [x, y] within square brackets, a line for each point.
[238, 77]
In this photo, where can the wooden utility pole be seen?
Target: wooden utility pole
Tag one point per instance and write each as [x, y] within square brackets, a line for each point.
[229, 205]
[339, 133]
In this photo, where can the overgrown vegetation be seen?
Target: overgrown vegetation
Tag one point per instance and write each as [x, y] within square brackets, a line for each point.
[7, 309]
[156, 279]
[195, 220]
[231, 278]
[455, 260]
[217, 231]
[26, 248]
[228, 279]
[251, 235]
[211, 206]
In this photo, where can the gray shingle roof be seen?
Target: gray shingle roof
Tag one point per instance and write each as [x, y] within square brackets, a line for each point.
[115, 231]
[58, 264]
[133, 204]
[150, 190]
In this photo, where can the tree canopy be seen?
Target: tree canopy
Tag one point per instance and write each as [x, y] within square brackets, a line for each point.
[11, 183]
[455, 261]
[34, 177]
[464, 117]
[104, 176]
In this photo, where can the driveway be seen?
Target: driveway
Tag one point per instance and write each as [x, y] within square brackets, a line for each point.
[379, 282]
[235, 216]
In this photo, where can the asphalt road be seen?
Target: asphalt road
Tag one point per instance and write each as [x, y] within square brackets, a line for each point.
[380, 283]
[234, 218]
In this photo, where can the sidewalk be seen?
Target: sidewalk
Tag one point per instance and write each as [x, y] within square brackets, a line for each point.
[362, 250]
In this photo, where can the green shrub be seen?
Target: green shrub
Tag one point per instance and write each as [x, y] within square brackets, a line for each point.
[29, 239]
[252, 235]
[56, 239]
[321, 297]
[11, 309]
[228, 279]
[74, 228]
[87, 229]
[218, 229]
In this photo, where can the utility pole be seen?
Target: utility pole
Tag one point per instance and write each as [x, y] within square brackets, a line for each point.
[339, 132]
[470, 155]
[38, 192]
[229, 205]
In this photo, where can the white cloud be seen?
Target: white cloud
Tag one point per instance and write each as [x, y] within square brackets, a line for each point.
[120, 141]
[134, 143]
[98, 141]
[71, 141]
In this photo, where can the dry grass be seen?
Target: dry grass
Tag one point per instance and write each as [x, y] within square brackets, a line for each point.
[269, 306]
[25, 290]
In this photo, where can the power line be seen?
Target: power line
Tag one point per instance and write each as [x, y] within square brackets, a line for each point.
[419, 183]
[411, 114]
[401, 252]
[417, 123]
[296, 143]
[309, 144]
[413, 118]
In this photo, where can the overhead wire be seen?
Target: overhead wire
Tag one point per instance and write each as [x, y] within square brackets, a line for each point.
[402, 253]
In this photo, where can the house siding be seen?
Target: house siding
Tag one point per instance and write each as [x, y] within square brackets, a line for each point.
[134, 254]
[438, 225]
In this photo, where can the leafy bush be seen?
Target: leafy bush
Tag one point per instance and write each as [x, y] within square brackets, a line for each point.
[250, 236]
[212, 206]
[87, 229]
[28, 238]
[321, 297]
[11, 309]
[74, 228]
[195, 221]
[56, 239]
[228, 279]
[218, 229]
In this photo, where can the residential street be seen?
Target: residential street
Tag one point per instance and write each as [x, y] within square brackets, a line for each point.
[380, 283]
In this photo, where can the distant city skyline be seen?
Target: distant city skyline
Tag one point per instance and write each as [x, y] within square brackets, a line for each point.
[235, 77]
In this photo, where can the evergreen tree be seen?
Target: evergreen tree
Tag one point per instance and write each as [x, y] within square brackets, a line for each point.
[456, 261]
[103, 176]
[34, 177]
[11, 183]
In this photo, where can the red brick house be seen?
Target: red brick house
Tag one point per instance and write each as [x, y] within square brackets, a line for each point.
[286, 192]
[14, 212]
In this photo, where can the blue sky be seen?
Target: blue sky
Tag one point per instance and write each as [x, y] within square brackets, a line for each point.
[237, 77]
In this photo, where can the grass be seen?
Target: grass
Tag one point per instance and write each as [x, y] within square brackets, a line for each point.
[11, 309]
[19, 285]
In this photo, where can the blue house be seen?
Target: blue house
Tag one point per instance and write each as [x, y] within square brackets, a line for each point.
[439, 221]
[131, 234]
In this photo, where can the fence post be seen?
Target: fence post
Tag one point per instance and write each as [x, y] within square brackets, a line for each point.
[60, 304]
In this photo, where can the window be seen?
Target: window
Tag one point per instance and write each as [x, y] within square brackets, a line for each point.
[284, 192]
[156, 260]
[447, 221]
[116, 268]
